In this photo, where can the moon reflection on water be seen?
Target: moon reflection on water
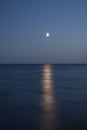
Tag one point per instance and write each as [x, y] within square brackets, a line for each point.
[48, 118]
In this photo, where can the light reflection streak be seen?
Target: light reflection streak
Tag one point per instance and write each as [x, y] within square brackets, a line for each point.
[48, 101]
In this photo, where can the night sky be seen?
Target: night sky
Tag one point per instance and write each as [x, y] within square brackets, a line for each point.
[23, 24]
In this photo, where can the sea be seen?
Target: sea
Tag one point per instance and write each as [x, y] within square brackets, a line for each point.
[43, 97]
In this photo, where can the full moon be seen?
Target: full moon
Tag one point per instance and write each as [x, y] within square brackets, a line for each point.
[47, 34]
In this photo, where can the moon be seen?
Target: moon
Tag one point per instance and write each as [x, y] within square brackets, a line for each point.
[47, 34]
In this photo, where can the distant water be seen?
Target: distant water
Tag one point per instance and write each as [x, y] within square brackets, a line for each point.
[43, 97]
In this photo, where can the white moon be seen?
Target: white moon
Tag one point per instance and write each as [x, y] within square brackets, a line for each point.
[47, 34]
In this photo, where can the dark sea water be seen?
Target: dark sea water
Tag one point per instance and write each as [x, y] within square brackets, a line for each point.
[43, 97]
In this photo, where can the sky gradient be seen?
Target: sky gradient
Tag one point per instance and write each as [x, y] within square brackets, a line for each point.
[23, 24]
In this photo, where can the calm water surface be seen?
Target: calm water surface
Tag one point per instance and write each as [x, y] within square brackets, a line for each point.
[43, 97]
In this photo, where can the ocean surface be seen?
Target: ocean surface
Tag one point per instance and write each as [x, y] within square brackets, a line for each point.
[43, 97]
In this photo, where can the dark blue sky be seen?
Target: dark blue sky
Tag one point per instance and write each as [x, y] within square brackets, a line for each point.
[23, 24]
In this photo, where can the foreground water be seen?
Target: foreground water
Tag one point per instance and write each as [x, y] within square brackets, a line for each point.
[43, 97]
